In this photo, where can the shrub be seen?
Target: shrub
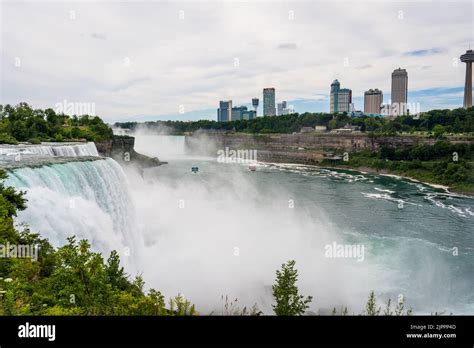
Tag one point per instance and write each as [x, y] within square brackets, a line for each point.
[35, 141]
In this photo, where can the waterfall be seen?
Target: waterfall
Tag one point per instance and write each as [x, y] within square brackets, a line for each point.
[88, 199]
[51, 149]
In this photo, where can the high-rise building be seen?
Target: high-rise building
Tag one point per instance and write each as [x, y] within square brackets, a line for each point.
[373, 99]
[224, 113]
[341, 98]
[269, 102]
[249, 115]
[242, 113]
[282, 109]
[399, 92]
[468, 58]
[238, 113]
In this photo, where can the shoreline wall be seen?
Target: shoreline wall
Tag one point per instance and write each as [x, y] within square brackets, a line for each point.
[305, 148]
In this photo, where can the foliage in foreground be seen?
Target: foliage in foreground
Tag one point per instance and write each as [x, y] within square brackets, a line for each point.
[74, 280]
[286, 293]
[70, 280]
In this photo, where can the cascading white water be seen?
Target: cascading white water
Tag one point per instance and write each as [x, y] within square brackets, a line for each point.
[226, 230]
[51, 149]
[89, 199]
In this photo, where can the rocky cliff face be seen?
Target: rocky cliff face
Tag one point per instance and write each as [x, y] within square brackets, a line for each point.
[121, 149]
[307, 148]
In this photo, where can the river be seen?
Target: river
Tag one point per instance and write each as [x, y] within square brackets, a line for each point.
[226, 229]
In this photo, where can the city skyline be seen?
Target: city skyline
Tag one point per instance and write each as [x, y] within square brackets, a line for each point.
[163, 73]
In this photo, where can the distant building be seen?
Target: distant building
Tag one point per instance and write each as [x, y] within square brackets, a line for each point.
[341, 130]
[238, 112]
[399, 92]
[269, 102]
[255, 105]
[341, 99]
[321, 128]
[249, 115]
[241, 113]
[282, 109]
[346, 129]
[373, 100]
[224, 113]
[306, 129]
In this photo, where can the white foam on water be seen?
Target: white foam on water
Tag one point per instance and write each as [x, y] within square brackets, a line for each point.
[51, 149]
[383, 190]
[434, 198]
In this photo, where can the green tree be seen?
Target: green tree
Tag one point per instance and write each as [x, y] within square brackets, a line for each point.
[438, 131]
[332, 124]
[371, 306]
[70, 280]
[286, 294]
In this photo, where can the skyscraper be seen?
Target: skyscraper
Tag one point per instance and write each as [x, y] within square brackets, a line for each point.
[224, 113]
[282, 109]
[399, 92]
[269, 102]
[341, 99]
[373, 99]
[468, 58]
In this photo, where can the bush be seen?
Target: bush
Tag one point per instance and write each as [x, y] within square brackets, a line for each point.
[35, 141]
[7, 139]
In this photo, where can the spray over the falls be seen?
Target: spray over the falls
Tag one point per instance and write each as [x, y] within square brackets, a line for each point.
[226, 230]
[90, 200]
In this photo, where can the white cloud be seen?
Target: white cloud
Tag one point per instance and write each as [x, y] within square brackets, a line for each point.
[143, 59]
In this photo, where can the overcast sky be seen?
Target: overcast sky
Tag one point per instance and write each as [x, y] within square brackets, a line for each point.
[176, 59]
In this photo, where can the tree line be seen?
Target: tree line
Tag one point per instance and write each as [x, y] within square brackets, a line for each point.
[22, 123]
[437, 122]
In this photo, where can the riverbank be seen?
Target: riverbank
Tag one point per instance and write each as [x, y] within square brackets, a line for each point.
[412, 176]
[448, 162]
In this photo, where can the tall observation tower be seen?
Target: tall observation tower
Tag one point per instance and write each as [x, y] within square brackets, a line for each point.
[255, 104]
[468, 58]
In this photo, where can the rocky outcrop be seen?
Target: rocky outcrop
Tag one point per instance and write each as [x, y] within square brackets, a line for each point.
[121, 148]
[306, 148]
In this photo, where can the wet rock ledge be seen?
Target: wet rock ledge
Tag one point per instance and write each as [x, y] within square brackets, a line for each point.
[121, 148]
